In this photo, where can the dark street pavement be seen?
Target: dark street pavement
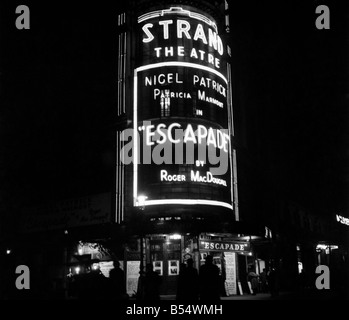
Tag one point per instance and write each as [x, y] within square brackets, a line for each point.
[306, 295]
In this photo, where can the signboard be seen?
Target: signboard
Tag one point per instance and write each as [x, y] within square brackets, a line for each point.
[224, 246]
[181, 141]
[84, 211]
[182, 90]
[342, 220]
[132, 275]
[177, 34]
[106, 266]
[230, 273]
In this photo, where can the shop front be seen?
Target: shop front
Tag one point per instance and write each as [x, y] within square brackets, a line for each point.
[168, 253]
[225, 256]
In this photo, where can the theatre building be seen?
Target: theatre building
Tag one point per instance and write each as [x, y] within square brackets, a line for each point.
[188, 182]
[176, 168]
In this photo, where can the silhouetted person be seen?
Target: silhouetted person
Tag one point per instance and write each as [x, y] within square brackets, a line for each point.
[180, 282]
[253, 278]
[188, 282]
[264, 282]
[150, 284]
[209, 280]
[92, 285]
[273, 282]
[302, 280]
[117, 277]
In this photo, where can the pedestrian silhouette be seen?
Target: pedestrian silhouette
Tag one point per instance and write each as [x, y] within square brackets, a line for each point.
[117, 277]
[180, 282]
[149, 284]
[92, 285]
[209, 280]
[302, 281]
[188, 282]
[273, 282]
[253, 278]
[264, 282]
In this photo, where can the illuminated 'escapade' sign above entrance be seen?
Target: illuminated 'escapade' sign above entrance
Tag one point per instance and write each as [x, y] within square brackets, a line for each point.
[181, 112]
[224, 246]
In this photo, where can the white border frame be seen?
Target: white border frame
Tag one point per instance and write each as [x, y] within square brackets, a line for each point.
[135, 140]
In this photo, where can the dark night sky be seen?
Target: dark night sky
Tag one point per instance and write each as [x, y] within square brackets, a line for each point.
[58, 98]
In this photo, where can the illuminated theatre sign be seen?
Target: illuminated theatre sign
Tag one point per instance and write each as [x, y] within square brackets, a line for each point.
[224, 246]
[177, 34]
[342, 220]
[181, 118]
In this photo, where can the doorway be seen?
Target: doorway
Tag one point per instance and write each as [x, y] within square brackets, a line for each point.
[165, 254]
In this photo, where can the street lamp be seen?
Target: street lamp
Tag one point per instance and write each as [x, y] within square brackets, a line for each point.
[141, 201]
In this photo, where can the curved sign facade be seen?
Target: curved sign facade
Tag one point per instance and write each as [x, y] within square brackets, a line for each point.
[181, 119]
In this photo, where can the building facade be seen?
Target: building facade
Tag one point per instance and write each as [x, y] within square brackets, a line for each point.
[186, 185]
[177, 173]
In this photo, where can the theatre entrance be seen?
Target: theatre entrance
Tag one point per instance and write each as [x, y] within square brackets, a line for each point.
[164, 253]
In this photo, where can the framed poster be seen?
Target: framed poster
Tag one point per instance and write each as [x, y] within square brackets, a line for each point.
[230, 272]
[132, 272]
[157, 265]
[173, 267]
